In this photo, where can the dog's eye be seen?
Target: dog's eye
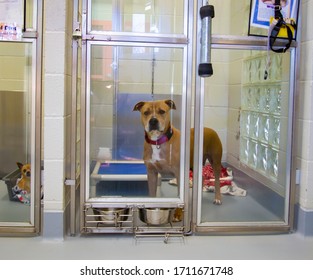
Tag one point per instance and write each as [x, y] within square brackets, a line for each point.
[146, 113]
[24, 170]
[161, 112]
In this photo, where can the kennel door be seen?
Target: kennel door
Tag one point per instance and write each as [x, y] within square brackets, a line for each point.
[136, 51]
[18, 190]
[253, 118]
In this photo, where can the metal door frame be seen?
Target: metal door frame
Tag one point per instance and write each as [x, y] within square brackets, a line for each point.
[34, 38]
[132, 39]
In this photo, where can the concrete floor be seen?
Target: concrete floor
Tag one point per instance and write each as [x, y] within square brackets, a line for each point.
[116, 247]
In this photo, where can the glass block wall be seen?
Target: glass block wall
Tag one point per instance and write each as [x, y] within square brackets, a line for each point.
[261, 114]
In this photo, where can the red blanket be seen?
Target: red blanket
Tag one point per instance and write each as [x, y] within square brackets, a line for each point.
[209, 179]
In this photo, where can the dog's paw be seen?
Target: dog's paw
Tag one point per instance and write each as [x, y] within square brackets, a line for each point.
[178, 215]
[173, 182]
[176, 219]
[217, 202]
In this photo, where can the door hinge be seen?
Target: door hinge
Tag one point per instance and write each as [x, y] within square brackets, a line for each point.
[77, 33]
[70, 182]
[298, 177]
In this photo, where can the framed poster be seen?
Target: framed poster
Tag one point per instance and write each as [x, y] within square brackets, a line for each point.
[261, 12]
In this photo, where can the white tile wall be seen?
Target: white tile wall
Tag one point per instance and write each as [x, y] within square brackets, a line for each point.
[53, 182]
[54, 95]
[56, 102]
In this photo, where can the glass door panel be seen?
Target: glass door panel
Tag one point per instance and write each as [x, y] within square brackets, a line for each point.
[138, 54]
[231, 17]
[252, 117]
[119, 77]
[138, 16]
[16, 124]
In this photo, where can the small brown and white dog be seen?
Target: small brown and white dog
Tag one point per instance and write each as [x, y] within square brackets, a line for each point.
[162, 145]
[24, 182]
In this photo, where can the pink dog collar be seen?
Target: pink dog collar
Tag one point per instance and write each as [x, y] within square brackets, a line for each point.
[164, 138]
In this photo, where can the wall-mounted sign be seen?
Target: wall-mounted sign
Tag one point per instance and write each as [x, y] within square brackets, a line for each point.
[261, 12]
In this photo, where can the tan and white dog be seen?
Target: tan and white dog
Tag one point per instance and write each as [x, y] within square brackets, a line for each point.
[162, 145]
[24, 182]
[162, 141]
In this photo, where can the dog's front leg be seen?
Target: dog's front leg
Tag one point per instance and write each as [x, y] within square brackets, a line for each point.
[152, 181]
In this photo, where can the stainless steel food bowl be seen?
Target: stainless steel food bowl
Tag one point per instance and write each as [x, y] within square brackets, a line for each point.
[111, 215]
[156, 216]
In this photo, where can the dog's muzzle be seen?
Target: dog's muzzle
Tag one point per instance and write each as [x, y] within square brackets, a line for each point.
[153, 124]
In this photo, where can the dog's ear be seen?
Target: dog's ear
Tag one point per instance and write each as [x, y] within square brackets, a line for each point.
[138, 106]
[19, 165]
[171, 104]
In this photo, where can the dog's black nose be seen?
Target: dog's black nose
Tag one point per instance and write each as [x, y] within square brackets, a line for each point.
[153, 124]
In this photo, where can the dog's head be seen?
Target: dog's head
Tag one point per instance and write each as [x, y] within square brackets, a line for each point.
[155, 116]
[25, 169]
